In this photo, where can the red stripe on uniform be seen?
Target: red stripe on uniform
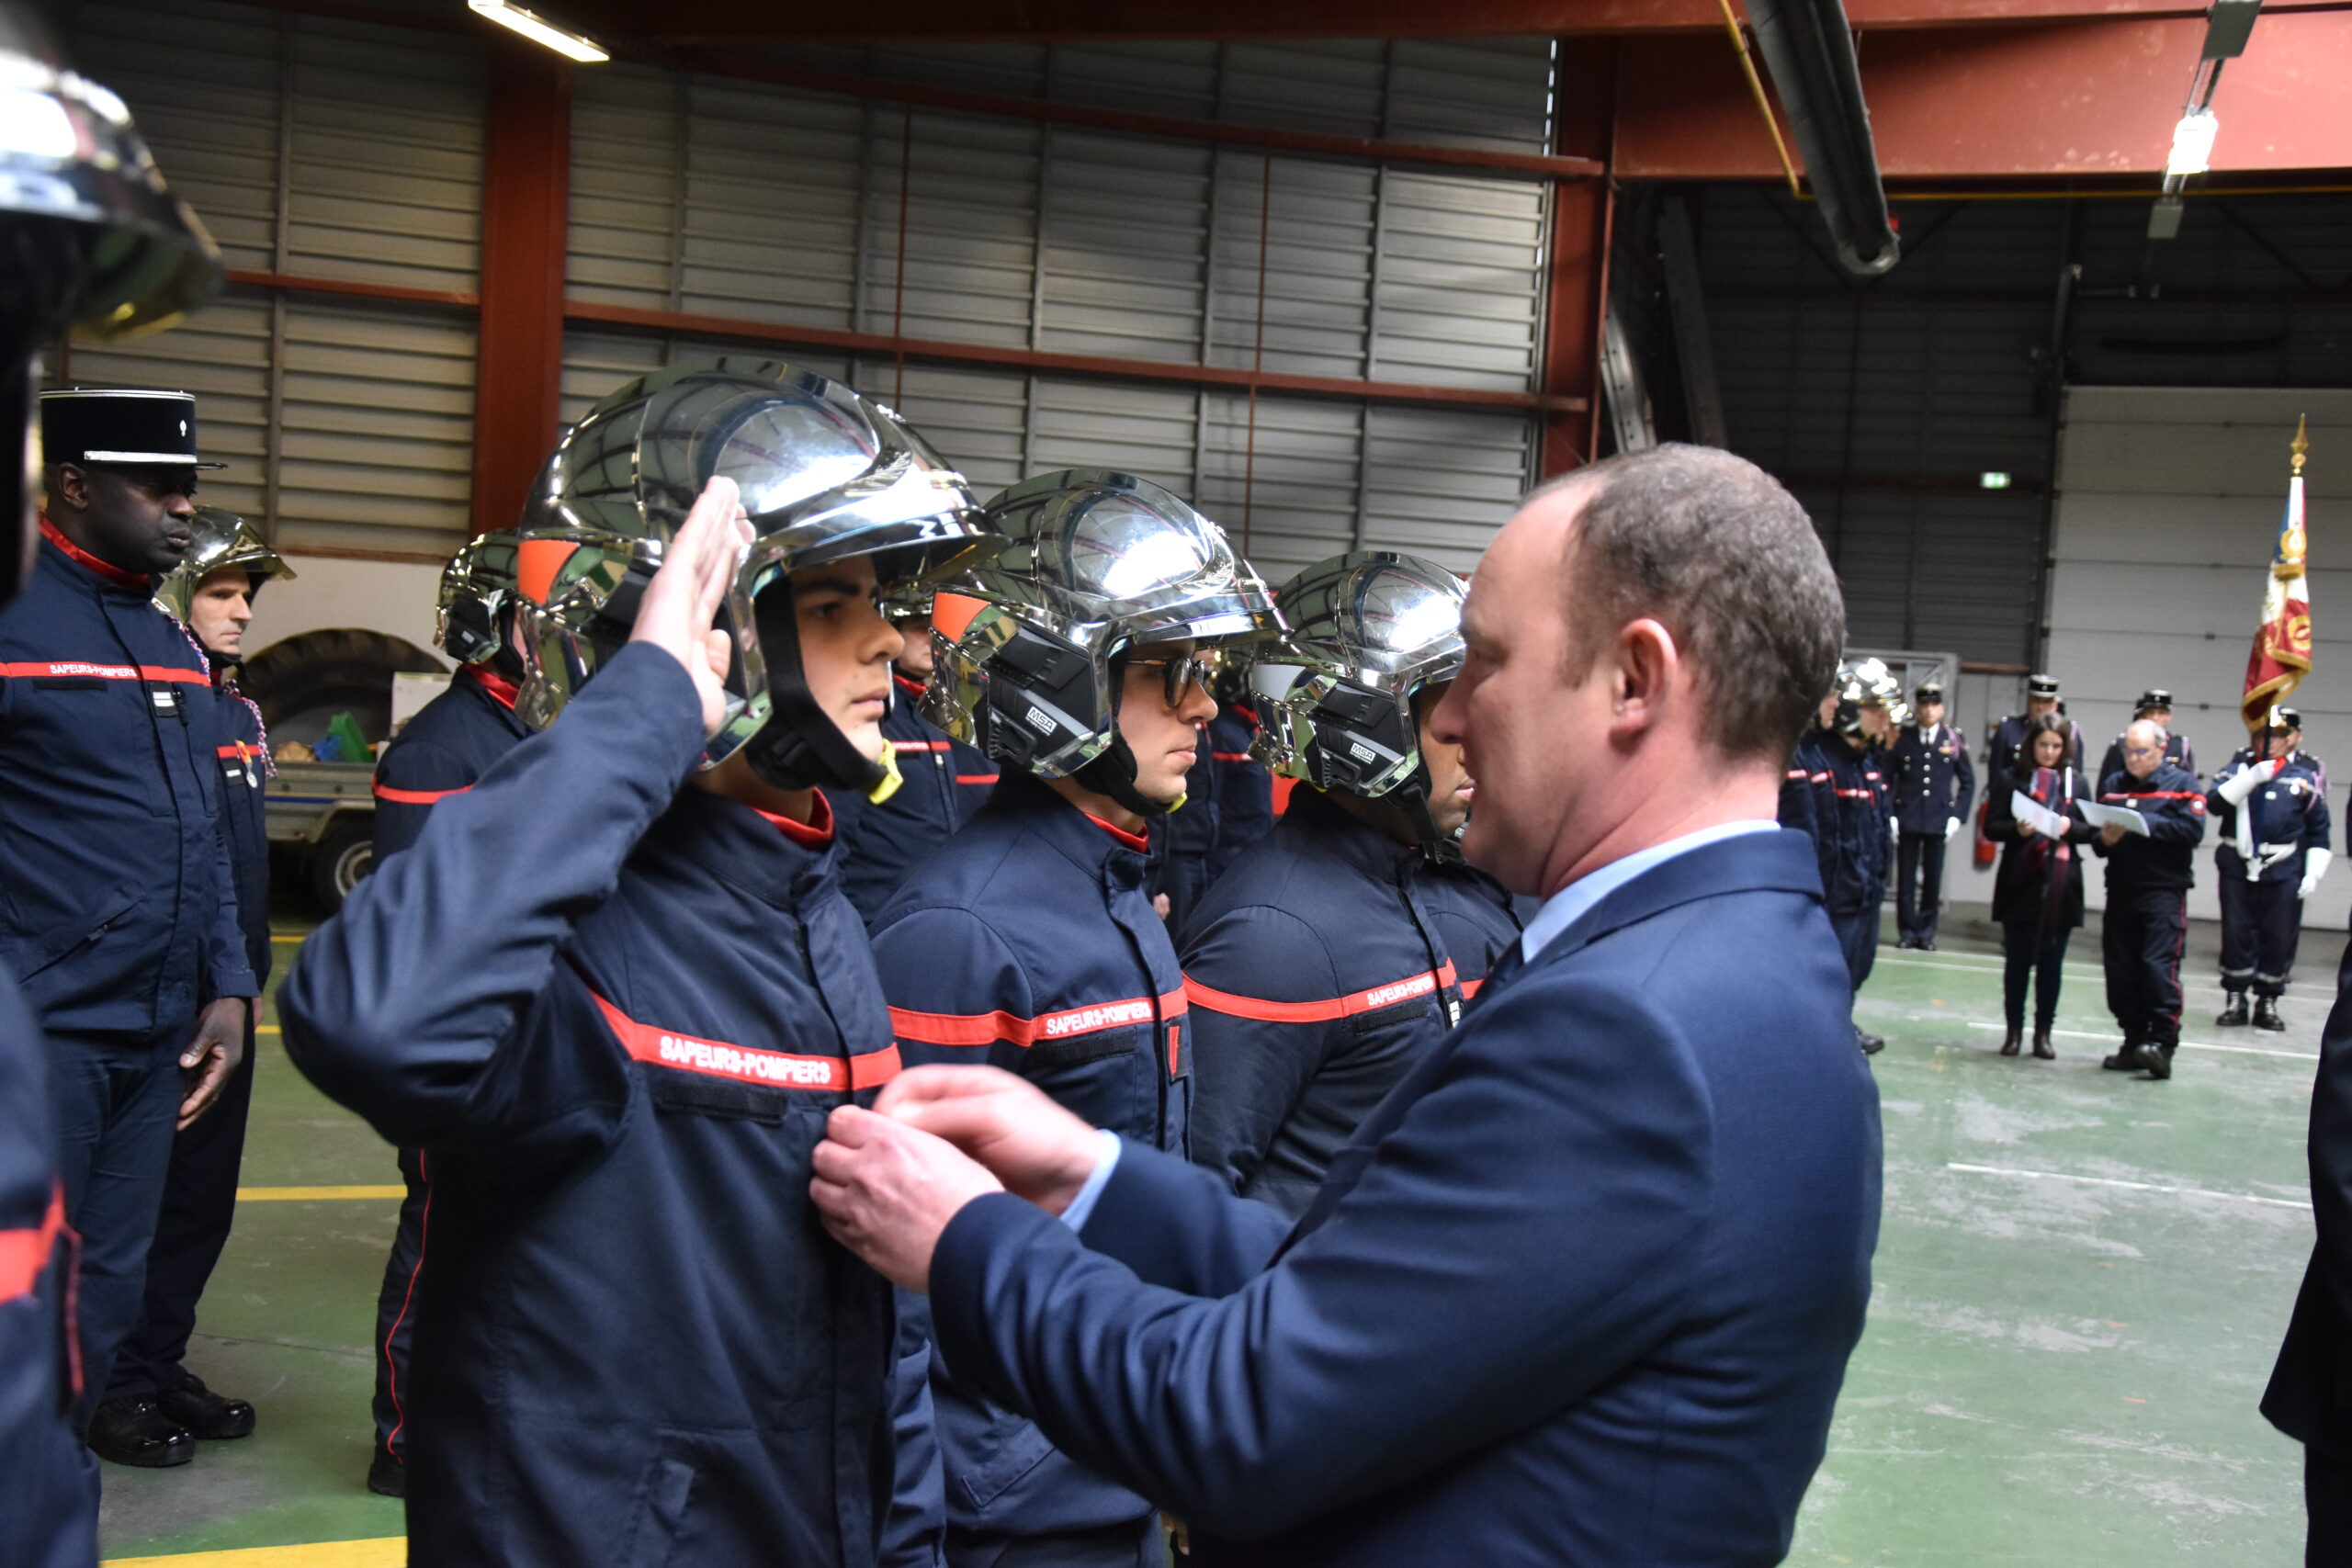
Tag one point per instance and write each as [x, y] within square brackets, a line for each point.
[1366, 1000]
[24, 1251]
[242, 752]
[919, 745]
[415, 796]
[1229, 756]
[718, 1059]
[1471, 987]
[988, 1027]
[67, 668]
[976, 778]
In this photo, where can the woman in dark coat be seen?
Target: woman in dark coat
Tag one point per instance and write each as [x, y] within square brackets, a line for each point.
[2038, 890]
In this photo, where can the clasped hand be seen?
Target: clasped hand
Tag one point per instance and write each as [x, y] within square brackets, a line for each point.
[890, 1179]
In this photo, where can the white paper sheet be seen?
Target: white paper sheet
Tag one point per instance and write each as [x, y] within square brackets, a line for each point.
[2121, 817]
[2046, 822]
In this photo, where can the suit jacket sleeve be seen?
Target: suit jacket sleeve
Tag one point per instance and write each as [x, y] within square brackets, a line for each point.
[2330, 1148]
[1511, 1246]
[410, 1005]
[1251, 1063]
[411, 779]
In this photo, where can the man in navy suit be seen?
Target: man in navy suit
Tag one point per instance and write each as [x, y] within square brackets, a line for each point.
[1583, 1286]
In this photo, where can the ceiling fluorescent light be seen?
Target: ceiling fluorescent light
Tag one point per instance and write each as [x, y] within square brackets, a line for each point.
[2192, 144]
[571, 46]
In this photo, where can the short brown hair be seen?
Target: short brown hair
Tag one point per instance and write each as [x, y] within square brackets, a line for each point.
[1713, 548]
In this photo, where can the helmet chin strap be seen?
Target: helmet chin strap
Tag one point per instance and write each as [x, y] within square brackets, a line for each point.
[1114, 773]
[1412, 798]
[800, 747]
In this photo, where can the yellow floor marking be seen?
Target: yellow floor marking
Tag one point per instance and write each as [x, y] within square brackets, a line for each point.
[290, 941]
[389, 1551]
[265, 1028]
[309, 1194]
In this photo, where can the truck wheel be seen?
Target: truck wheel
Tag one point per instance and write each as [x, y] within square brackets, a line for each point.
[344, 853]
[303, 682]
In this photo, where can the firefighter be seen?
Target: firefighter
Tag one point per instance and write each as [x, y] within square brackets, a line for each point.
[94, 242]
[2270, 804]
[2042, 696]
[2156, 706]
[1343, 945]
[1858, 818]
[439, 752]
[2148, 878]
[614, 989]
[945, 780]
[1079, 662]
[211, 595]
[1934, 784]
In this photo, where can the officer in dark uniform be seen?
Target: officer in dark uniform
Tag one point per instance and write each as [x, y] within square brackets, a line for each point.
[2042, 696]
[615, 988]
[1079, 661]
[121, 920]
[945, 780]
[439, 753]
[211, 595]
[1343, 945]
[95, 243]
[2148, 879]
[1935, 785]
[1855, 846]
[2156, 706]
[2270, 804]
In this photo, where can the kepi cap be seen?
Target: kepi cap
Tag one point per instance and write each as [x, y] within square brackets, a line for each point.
[2286, 719]
[1928, 691]
[121, 426]
[2041, 685]
[2153, 697]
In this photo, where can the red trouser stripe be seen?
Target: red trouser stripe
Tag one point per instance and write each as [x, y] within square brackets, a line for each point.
[24, 1252]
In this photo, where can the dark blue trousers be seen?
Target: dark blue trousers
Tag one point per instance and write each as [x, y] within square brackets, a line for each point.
[1919, 884]
[116, 1097]
[1857, 940]
[199, 1202]
[2262, 924]
[396, 1306]
[2140, 940]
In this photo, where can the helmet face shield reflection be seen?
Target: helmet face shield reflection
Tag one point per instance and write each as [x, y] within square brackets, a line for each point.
[825, 474]
[477, 590]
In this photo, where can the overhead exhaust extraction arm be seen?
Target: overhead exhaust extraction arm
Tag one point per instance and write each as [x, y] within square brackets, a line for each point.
[1809, 50]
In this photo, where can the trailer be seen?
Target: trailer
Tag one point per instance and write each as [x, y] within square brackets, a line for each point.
[322, 821]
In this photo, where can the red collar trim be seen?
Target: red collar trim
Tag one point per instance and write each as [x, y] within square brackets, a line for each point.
[912, 688]
[89, 562]
[502, 690]
[1139, 842]
[815, 834]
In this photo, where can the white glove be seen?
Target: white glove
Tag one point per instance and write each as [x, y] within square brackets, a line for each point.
[2314, 868]
[2237, 786]
[1952, 829]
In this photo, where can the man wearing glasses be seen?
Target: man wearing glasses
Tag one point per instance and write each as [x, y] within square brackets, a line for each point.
[121, 923]
[1078, 661]
[2148, 878]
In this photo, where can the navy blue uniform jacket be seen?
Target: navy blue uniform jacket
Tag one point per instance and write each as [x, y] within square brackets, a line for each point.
[1933, 780]
[244, 777]
[1228, 806]
[2166, 861]
[119, 914]
[943, 783]
[1027, 942]
[2310, 1396]
[616, 1013]
[1322, 966]
[2290, 812]
[1854, 851]
[1581, 1289]
[2001, 746]
[440, 751]
[50, 1517]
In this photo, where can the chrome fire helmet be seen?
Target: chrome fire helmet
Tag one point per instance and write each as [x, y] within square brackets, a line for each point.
[1867, 683]
[1368, 632]
[826, 476]
[222, 540]
[1031, 643]
[478, 599]
[89, 239]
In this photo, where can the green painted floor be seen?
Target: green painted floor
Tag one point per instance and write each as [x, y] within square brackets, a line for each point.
[2056, 1370]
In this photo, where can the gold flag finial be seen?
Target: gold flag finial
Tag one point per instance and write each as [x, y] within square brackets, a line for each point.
[2300, 445]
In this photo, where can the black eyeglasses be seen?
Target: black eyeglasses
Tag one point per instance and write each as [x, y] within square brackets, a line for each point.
[1197, 670]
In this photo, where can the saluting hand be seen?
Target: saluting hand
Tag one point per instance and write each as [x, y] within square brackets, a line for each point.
[683, 600]
[218, 1046]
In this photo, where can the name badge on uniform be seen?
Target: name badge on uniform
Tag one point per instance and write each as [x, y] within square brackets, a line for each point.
[165, 699]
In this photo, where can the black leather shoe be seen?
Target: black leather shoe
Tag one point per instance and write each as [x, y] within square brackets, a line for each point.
[387, 1477]
[2158, 1059]
[1925, 944]
[2041, 1046]
[2265, 1015]
[133, 1431]
[2232, 1014]
[1871, 1045]
[204, 1412]
[2126, 1060]
[2012, 1042]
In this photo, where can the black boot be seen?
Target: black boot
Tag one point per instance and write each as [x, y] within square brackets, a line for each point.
[2232, 1014]
[387, 1476]
[1871, 1045]
[2041, 1046]
[133, 1431]
[2013, 1041]
[2265, 1015]
[204, 1412]
[2156, 1056]
[2126, 1060]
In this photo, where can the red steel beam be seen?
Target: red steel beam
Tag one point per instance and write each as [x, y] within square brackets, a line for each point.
[526, 207]
[348, 289]
[1576, 298]
[2029, 102]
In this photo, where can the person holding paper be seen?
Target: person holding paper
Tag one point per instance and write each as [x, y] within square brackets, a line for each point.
[2148, 879]
[2037, 889]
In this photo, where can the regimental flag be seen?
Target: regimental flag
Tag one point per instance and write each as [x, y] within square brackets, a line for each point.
[2282, 648]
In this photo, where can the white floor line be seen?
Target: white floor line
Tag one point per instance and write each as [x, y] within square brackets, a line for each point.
[2135, 1186]
[2185, 1044]
[2072, 970]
